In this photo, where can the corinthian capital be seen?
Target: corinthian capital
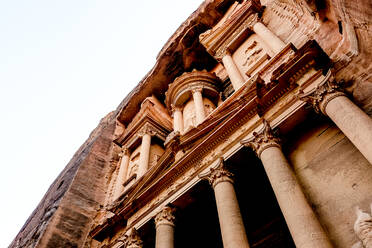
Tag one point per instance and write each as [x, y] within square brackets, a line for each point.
[147, 129]
[262, 140]
[322, 95]
[132, 239]
[165, 217]
[218, 175]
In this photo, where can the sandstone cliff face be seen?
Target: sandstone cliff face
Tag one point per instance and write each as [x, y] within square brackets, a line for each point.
[64, 215]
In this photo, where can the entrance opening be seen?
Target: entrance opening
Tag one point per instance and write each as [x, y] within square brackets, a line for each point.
[263, 219]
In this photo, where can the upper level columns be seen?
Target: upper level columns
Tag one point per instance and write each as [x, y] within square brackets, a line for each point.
[164, 222]
[177, 119]
[145, 151]
[231, 222]
[273, 41]
[199, 105]
[233, 71]
[122, 175]
[304, 226]
[353, 122]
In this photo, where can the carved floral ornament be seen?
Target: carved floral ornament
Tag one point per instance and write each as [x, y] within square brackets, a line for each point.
[322, 95]
[262, 140]
[147, 129]
[165, 216]
[132, 239]
[218, 174]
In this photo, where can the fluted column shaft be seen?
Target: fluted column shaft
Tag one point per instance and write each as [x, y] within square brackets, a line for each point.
[349, 118]
[164, 222]
[233, 71]
[273, 41]
[302, 222]
[122, 175]
[177, 119]
[199, 105]
[144, 154]
[231, 222]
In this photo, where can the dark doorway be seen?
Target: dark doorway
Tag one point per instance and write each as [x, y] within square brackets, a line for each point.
[263, 220]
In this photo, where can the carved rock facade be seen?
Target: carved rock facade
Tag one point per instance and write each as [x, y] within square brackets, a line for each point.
[233, 78]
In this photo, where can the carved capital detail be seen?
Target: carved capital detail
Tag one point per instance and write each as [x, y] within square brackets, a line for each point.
[218, 175]
[196, 89]
[175, 108]
[132, 239]
[165, 216]
[262, 140]
[363, 228]
[124, 151]
[147, 129]
[322, 95]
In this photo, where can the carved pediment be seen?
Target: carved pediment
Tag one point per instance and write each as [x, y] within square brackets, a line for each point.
[232, 29]
[153, 115]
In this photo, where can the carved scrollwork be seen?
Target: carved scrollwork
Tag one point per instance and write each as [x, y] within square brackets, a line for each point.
[262, 140]
[132, 239]
[165, 216]
[363, 228]
[147, 129]
[322, 95]
[218, 174]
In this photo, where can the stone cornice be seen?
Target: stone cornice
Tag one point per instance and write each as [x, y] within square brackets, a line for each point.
[284, 78]
[152, 113]
[147, 125]
[262, 140]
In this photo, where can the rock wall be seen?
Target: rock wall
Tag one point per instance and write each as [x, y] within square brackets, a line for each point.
[64, 215]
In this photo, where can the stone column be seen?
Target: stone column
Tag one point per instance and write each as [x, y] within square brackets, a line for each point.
[177, 119]
[132, 239]
[302, 222]
[164, 222]
[144, 152]
[231, 222]
[353, 122]
[233, 71]
[199, 105]
[273, 41]
[122, 175]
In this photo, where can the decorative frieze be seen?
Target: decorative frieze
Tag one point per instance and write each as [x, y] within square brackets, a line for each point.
[322, 95]
[262, 140]
[165, 216]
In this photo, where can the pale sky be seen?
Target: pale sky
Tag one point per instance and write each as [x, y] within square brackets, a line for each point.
[63, 66]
